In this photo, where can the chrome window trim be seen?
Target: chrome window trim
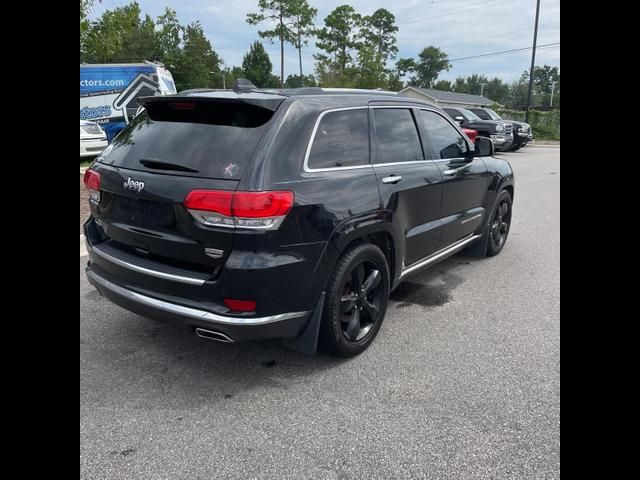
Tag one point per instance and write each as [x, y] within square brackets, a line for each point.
[455, 125]
[408, 162]
[313, 136]
[307, 169]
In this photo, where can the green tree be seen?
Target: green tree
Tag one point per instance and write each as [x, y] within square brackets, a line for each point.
[281, 12]
[543, 82]
[169, 37]
[119, 36]
[339, 36]
[297, 81]
[444, 85]
[379, 30]
[431, 62]
[257, 66]
[85, 25]
[404, 66]
[497, 90]
[198, 64]
[303, 17]
[474, 84]
[376, 47]
[460, 85]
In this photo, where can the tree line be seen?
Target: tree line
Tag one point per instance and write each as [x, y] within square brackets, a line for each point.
[353, 50]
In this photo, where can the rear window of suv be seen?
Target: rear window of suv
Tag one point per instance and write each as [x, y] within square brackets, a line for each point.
[208, 139]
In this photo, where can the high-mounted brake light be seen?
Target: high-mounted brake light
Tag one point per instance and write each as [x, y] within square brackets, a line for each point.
[92, 182]
[183, 105]
[254, 210]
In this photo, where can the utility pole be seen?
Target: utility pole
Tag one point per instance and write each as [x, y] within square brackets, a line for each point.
[482, 89]
[553, 84]
[533, 61]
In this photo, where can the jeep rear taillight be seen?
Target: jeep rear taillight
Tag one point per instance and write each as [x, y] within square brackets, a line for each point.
[253, 210]
[92, 182]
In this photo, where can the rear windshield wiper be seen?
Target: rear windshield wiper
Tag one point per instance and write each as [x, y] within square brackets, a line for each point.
[157, 165]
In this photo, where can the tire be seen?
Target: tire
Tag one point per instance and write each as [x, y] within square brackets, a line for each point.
[500, 224]
[350, 320]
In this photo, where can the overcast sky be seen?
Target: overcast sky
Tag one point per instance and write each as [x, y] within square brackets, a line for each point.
[461, 28]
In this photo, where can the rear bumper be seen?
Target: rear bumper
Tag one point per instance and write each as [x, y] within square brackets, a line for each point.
[92, 147]
[284, 325]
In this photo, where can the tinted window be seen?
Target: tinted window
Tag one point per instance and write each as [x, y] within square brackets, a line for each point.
[397, 136]
[453, 113]
[444, 139]
[469, 115]
[481, 113]
[342, 140]
[213, 140]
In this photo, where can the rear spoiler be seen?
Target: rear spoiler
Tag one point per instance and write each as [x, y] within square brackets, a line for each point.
[263, 100]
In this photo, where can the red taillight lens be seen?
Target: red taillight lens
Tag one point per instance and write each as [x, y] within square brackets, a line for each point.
[92, 179]
[240, 305]
[261, 204]
[254, 210]
[210, 201]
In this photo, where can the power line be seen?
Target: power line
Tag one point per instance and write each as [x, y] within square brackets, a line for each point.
[395, 11]
[473, 40]
[547, 45]
[452, 11]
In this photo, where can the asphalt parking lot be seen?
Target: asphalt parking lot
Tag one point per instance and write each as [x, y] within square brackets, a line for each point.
[463, 380]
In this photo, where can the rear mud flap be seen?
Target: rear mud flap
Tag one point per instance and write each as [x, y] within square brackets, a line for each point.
[307, 342]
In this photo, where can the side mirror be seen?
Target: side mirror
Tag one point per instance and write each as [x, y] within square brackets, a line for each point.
[459, 119]
[484, 147]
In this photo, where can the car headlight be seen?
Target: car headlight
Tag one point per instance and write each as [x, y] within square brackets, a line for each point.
[500, 128]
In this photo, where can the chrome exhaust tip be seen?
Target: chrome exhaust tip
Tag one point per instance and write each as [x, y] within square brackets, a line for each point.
[211, 335]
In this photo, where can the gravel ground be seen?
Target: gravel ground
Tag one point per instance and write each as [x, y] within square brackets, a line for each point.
[462, 382]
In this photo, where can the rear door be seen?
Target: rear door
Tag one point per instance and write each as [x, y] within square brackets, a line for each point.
[172, 148]
[410, 185]
[464, 177]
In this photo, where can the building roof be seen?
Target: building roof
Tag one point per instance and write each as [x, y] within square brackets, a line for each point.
[452, 97]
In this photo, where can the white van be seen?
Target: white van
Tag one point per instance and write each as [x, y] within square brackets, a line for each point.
[109, 92]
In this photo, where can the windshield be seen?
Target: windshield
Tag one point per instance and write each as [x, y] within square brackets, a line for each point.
[469, 115]
[493, 115]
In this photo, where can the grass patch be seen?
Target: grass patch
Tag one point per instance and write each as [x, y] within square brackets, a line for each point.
[85, 162]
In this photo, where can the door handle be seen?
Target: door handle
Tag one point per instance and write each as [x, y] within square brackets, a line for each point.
[392, 179]
[452, 171]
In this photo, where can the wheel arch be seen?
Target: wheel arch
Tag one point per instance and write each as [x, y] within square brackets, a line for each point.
[375, 228]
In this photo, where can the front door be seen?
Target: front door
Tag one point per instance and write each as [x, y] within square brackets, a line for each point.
[410, 185]
[464, 177]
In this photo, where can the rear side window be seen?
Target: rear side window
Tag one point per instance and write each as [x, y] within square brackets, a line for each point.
[481, 113]
[205, 139]
[444, 139]
[397, 136]
[341, 140]
[453, 113]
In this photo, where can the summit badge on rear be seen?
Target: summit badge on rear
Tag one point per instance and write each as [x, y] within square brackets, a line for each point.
[134, 185]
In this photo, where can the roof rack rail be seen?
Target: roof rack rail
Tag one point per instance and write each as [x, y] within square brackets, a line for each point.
[358, 90]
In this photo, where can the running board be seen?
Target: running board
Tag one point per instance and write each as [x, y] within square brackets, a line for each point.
[440, 255]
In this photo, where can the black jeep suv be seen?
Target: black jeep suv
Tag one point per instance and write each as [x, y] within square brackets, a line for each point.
[257, 214]
[522, 133]
[501, 132]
